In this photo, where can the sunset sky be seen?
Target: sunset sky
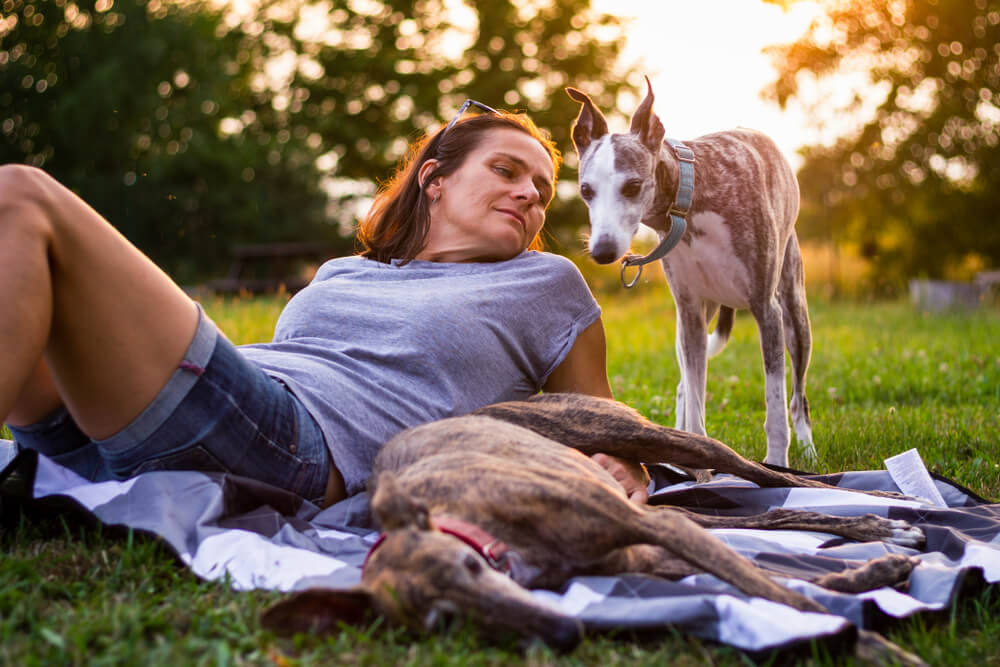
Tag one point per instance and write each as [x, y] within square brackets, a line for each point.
[705, 62]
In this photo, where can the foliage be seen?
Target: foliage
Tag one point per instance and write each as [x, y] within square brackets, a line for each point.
[72, 594]
[193, 126]
[369, 77]
[123, 102]
[915, 186]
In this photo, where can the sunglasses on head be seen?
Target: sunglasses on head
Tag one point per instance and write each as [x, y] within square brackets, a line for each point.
[461, 111]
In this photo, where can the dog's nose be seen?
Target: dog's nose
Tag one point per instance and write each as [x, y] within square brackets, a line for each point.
[604, 251]
[565, 635]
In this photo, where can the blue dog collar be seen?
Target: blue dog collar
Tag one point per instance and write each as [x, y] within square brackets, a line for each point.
[678, 212]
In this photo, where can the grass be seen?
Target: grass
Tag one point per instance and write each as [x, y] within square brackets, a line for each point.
[883, 379]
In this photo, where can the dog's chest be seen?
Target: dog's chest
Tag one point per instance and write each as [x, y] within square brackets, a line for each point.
[712, 267]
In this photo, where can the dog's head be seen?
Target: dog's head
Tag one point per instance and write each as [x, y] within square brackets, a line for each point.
[618, 173]
[420, 577]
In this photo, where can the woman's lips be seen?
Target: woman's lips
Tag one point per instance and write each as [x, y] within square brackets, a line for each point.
[513, 214]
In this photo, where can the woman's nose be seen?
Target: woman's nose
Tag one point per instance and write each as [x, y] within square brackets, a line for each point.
[526, 190]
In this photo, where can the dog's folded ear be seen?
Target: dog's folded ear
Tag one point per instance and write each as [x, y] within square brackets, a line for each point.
[319, 610]
[590, 125]
[395, 509]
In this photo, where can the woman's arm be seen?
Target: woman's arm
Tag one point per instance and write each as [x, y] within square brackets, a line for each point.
[585, 371]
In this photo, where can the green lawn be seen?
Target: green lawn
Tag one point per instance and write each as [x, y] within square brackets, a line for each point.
[883, 379]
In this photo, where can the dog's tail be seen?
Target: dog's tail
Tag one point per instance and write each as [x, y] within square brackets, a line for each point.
[723, 327]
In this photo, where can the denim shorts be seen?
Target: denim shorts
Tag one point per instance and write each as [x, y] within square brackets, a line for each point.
[217, 413]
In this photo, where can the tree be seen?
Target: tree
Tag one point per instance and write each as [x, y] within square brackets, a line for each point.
[916, 186]
[383, 72]
[193, 127]
[149, 111]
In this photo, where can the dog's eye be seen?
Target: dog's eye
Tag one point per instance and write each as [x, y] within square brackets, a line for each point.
[586, 192]
[631, 189]
[472, 564]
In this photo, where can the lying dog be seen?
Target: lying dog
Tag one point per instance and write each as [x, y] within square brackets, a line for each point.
[476, 509]
[739, 249]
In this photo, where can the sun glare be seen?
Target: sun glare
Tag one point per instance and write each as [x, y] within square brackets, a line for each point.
[706, 66]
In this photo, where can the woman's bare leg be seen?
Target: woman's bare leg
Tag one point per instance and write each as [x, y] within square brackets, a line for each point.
[83, 313]
[39, 397]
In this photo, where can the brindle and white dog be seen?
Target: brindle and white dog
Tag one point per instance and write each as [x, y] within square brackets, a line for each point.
[477, 509]
[739, 250]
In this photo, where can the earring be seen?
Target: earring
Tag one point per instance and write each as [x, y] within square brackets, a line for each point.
[435, 198]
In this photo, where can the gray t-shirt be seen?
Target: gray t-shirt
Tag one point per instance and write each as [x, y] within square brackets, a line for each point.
[372, 348]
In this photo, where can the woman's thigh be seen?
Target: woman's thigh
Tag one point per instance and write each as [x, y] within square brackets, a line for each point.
[110, 324]
[217, 413]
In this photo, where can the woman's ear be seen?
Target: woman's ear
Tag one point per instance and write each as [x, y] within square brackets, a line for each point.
[432, 188]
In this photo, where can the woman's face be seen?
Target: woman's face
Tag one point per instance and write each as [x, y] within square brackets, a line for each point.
[493, 206]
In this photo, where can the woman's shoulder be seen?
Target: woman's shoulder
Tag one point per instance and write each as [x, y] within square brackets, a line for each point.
[344, 265]
[550, 263]
[529, 262]
[545, 256]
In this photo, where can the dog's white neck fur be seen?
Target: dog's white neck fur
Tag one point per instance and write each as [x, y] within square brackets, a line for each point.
[711, 249]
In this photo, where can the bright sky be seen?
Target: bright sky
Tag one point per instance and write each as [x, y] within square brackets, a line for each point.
[705, 62]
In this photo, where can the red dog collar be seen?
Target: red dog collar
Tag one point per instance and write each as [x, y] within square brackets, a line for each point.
[493, 550]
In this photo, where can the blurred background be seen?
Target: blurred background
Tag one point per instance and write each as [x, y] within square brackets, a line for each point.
[196, 126]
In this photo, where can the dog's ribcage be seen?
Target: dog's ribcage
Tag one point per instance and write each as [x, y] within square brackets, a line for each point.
[736, 238]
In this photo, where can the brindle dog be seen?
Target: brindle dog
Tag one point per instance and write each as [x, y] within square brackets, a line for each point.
[520, 474]
[739, 250]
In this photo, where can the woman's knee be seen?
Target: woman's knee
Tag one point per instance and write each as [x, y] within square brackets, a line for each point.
[27, 197]
[21, 181]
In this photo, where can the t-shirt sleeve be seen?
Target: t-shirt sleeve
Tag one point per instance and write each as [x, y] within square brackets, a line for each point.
[568, 298]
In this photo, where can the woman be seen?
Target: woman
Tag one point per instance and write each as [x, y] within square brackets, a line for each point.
[112, 370]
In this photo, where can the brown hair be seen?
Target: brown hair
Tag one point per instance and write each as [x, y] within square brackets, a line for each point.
[396, 226]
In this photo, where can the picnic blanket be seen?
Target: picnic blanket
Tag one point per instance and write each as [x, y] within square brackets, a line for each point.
[227, 528]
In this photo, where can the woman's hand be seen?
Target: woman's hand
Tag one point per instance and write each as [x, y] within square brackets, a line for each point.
[584, 371]
[631, 475]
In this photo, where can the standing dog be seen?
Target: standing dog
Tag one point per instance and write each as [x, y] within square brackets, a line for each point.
[739, 250]
[476, 508]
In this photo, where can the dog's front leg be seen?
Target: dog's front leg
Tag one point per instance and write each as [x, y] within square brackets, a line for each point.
[772, 346]
[692, 339]
[680, 408]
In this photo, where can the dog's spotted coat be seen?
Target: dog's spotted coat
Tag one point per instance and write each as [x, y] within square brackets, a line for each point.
[739, 250]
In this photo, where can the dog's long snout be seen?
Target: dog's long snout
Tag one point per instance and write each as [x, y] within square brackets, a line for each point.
[500, 603]
[559, 632]
[604, 250]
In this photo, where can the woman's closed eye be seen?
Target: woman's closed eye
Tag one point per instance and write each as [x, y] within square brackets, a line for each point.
[512, 172]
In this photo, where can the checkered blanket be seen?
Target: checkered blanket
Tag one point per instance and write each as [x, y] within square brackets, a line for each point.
[258, 537]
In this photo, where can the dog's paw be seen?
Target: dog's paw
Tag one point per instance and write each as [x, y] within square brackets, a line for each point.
[807, 452]
[888, 570]
[893, 531]
[904, 534]
[700, 475]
